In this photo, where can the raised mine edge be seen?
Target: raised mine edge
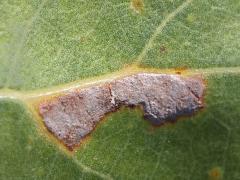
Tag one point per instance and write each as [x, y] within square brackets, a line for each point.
[164, 98]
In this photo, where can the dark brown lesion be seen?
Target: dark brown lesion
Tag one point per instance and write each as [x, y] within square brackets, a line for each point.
[71, 117]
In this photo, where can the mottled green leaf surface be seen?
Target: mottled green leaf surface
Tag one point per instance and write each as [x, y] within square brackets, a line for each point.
[44, 43]
[48, 43]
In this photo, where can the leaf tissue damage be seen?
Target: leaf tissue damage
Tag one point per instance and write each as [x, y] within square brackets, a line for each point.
[137, 5]
[74, 115]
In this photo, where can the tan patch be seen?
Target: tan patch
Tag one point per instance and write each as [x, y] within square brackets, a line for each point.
[180, 70]
[137, 6]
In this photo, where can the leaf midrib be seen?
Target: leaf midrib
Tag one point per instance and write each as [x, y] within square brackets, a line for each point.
[41, 93]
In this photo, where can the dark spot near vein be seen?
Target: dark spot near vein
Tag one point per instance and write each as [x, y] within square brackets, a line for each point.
[163, 49]
[163, 98]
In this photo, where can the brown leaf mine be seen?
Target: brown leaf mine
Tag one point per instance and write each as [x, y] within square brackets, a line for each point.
[163, 97]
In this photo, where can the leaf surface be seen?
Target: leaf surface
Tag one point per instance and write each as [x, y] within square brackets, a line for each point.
[45, 44]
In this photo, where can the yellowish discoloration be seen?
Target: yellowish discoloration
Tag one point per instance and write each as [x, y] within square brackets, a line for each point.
[215, 174]
[180, 70]
[42, 130]
[137, 6]
[191, 18]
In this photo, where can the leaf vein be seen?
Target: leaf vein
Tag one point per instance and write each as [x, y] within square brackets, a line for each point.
[160, 28]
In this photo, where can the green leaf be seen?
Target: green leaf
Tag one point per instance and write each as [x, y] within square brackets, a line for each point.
[51, 43]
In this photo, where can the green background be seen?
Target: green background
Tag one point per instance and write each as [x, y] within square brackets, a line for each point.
[48, 43]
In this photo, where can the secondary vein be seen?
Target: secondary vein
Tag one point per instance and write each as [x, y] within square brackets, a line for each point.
[159, 30]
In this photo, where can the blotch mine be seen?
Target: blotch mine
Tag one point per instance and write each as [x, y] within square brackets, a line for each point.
[164, 98]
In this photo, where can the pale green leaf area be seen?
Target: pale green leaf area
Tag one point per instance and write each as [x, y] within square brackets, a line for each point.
[125, 146]
[45, 43]
[48, 43]
[25, 154]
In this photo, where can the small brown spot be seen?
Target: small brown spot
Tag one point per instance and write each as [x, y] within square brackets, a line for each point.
[163, 49]
[215, 173]
[137, 5]
[83, 39]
